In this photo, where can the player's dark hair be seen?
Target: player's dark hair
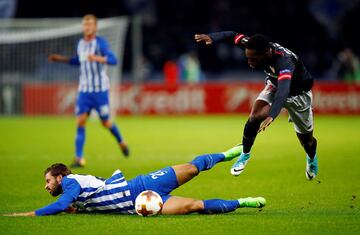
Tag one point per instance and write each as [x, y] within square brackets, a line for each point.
[258, 42]
[90, 17]
[58, 169]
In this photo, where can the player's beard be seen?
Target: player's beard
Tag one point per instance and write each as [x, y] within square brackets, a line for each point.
[57, 191]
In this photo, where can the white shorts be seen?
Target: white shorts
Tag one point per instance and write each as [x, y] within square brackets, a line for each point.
[299, 107]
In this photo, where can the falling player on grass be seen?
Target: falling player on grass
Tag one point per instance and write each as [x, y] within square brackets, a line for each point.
[86, 193]
[288, 84]
[93, 54]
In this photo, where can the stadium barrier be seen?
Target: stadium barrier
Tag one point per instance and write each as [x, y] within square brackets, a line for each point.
[207, 98]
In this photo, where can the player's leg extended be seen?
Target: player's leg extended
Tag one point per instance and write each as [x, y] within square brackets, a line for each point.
[180, 205]
[258, 113]
[80, 140]
[300, 112]
[187, 171]
[114, 130]
[103, 108]
[309, 144]
[83, 108]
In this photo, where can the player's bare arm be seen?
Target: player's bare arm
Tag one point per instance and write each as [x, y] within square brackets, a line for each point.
[31, 213]
[203, 38]
[58, 58]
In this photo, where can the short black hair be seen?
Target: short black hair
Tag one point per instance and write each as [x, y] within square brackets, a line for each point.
[258, 42]
[58, 169]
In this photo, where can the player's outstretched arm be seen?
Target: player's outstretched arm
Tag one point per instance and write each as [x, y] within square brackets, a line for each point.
[59, 58]
[31, 213]
[203, 38]
[70, 210]
[224, 36]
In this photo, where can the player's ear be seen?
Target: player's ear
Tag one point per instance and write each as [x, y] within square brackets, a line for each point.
[268, 52]
[59, 178]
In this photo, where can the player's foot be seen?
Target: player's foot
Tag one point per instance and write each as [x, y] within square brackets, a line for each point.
[240, 164]
[254, 202]
[125, 149]
[311, 167]
[78, 162]
[233, 152]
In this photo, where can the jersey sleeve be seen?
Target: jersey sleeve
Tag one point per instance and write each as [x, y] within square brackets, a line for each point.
[74, 60]
[286, 68]
[105, 51]
[71, 190]
[230, 37]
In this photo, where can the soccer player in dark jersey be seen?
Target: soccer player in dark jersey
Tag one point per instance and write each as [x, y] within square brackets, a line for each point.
[288, 85]
[87, 193]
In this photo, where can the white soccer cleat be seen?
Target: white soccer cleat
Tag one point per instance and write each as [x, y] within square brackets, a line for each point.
[240, 164]
[312, 167]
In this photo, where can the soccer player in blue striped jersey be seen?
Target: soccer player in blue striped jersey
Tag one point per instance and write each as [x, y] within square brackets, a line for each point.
[93, 54]
[288, 85]
[86, 193]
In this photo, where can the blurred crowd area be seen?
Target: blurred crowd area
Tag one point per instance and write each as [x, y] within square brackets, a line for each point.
[322, 32]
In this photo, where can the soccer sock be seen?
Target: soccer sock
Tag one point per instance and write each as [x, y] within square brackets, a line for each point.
[206, 162]
[214, 206]
[233, 152]
[311, 149]
[250, 132]
[79, 141]
[116, 133]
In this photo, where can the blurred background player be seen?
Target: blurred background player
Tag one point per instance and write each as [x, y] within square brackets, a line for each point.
[93, 53]
[88, 193]
[288, 84]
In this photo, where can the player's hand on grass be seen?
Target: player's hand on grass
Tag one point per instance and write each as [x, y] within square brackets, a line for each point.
[203, 38]
[31, 213]
[71, 210]
[265, 124]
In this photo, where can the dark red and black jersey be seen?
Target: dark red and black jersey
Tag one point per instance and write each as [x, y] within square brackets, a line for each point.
[285, 69]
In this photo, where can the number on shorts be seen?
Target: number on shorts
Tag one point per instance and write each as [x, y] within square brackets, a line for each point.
[156, 174]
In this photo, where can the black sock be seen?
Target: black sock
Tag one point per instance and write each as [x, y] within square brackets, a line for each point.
[311, 149]
[250, 132]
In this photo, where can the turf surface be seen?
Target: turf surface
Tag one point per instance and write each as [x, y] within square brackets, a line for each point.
[328, 205]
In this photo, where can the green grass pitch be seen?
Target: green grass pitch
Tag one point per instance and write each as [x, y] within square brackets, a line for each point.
[328, 205]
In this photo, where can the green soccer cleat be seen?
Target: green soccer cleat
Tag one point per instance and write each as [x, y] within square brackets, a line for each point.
[233, 152]
[253, 202]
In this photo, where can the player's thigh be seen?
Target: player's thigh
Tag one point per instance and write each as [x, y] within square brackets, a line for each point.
[180, 206]
[162, 181]
[102, 105]
[185, 172]
[261, 106]
[300, 112]
[83, 107]
[260, 110]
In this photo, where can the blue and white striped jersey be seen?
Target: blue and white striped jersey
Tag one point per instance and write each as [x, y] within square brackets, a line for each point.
[93, 77]
[92, 194]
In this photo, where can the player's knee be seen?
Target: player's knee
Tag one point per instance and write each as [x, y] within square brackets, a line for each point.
[81, 122]
[256, 117]
[106, 123]
[194, 206]
[192, 170]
